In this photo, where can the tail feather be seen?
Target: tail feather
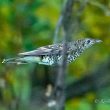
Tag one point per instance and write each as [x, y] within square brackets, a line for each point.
[13, 60]
[22, 60]
[10, 60]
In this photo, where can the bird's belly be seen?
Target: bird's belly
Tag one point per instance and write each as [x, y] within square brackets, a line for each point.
[70, 58]
[47, 60]
[51, 60]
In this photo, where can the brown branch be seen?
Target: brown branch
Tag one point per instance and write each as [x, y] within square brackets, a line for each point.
[62, 70]
[66, 21]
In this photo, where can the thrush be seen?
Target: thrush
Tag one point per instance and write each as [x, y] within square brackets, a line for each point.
[52, 54]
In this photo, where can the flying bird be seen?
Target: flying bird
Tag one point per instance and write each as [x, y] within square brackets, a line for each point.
[52, 54]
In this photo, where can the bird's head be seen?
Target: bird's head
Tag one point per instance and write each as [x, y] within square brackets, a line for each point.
[87, 42]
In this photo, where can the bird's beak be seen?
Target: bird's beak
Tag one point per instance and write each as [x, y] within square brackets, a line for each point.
[98, 41]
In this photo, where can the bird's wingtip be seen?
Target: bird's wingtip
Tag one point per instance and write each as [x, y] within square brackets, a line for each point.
[99, 41]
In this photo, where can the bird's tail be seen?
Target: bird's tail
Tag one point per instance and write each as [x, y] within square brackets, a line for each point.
[13, 60]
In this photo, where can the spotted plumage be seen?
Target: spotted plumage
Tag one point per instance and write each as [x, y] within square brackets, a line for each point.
[52, 54]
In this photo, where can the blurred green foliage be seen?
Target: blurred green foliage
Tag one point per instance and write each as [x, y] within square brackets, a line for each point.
[28, 24]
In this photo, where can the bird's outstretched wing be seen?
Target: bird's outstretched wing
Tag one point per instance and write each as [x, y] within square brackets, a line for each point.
[45, 50]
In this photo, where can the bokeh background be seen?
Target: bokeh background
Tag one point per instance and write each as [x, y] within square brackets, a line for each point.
[28, 24]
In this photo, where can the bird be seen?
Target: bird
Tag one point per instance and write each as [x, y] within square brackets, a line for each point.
[52, 54]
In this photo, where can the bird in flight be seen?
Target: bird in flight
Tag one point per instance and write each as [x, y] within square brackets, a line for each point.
[52, 54]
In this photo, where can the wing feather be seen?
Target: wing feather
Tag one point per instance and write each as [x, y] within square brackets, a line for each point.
[46, 50]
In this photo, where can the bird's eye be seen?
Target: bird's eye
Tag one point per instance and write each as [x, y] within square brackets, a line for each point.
[88, 41]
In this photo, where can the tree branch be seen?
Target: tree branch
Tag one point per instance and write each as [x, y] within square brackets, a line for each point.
[64, 20]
